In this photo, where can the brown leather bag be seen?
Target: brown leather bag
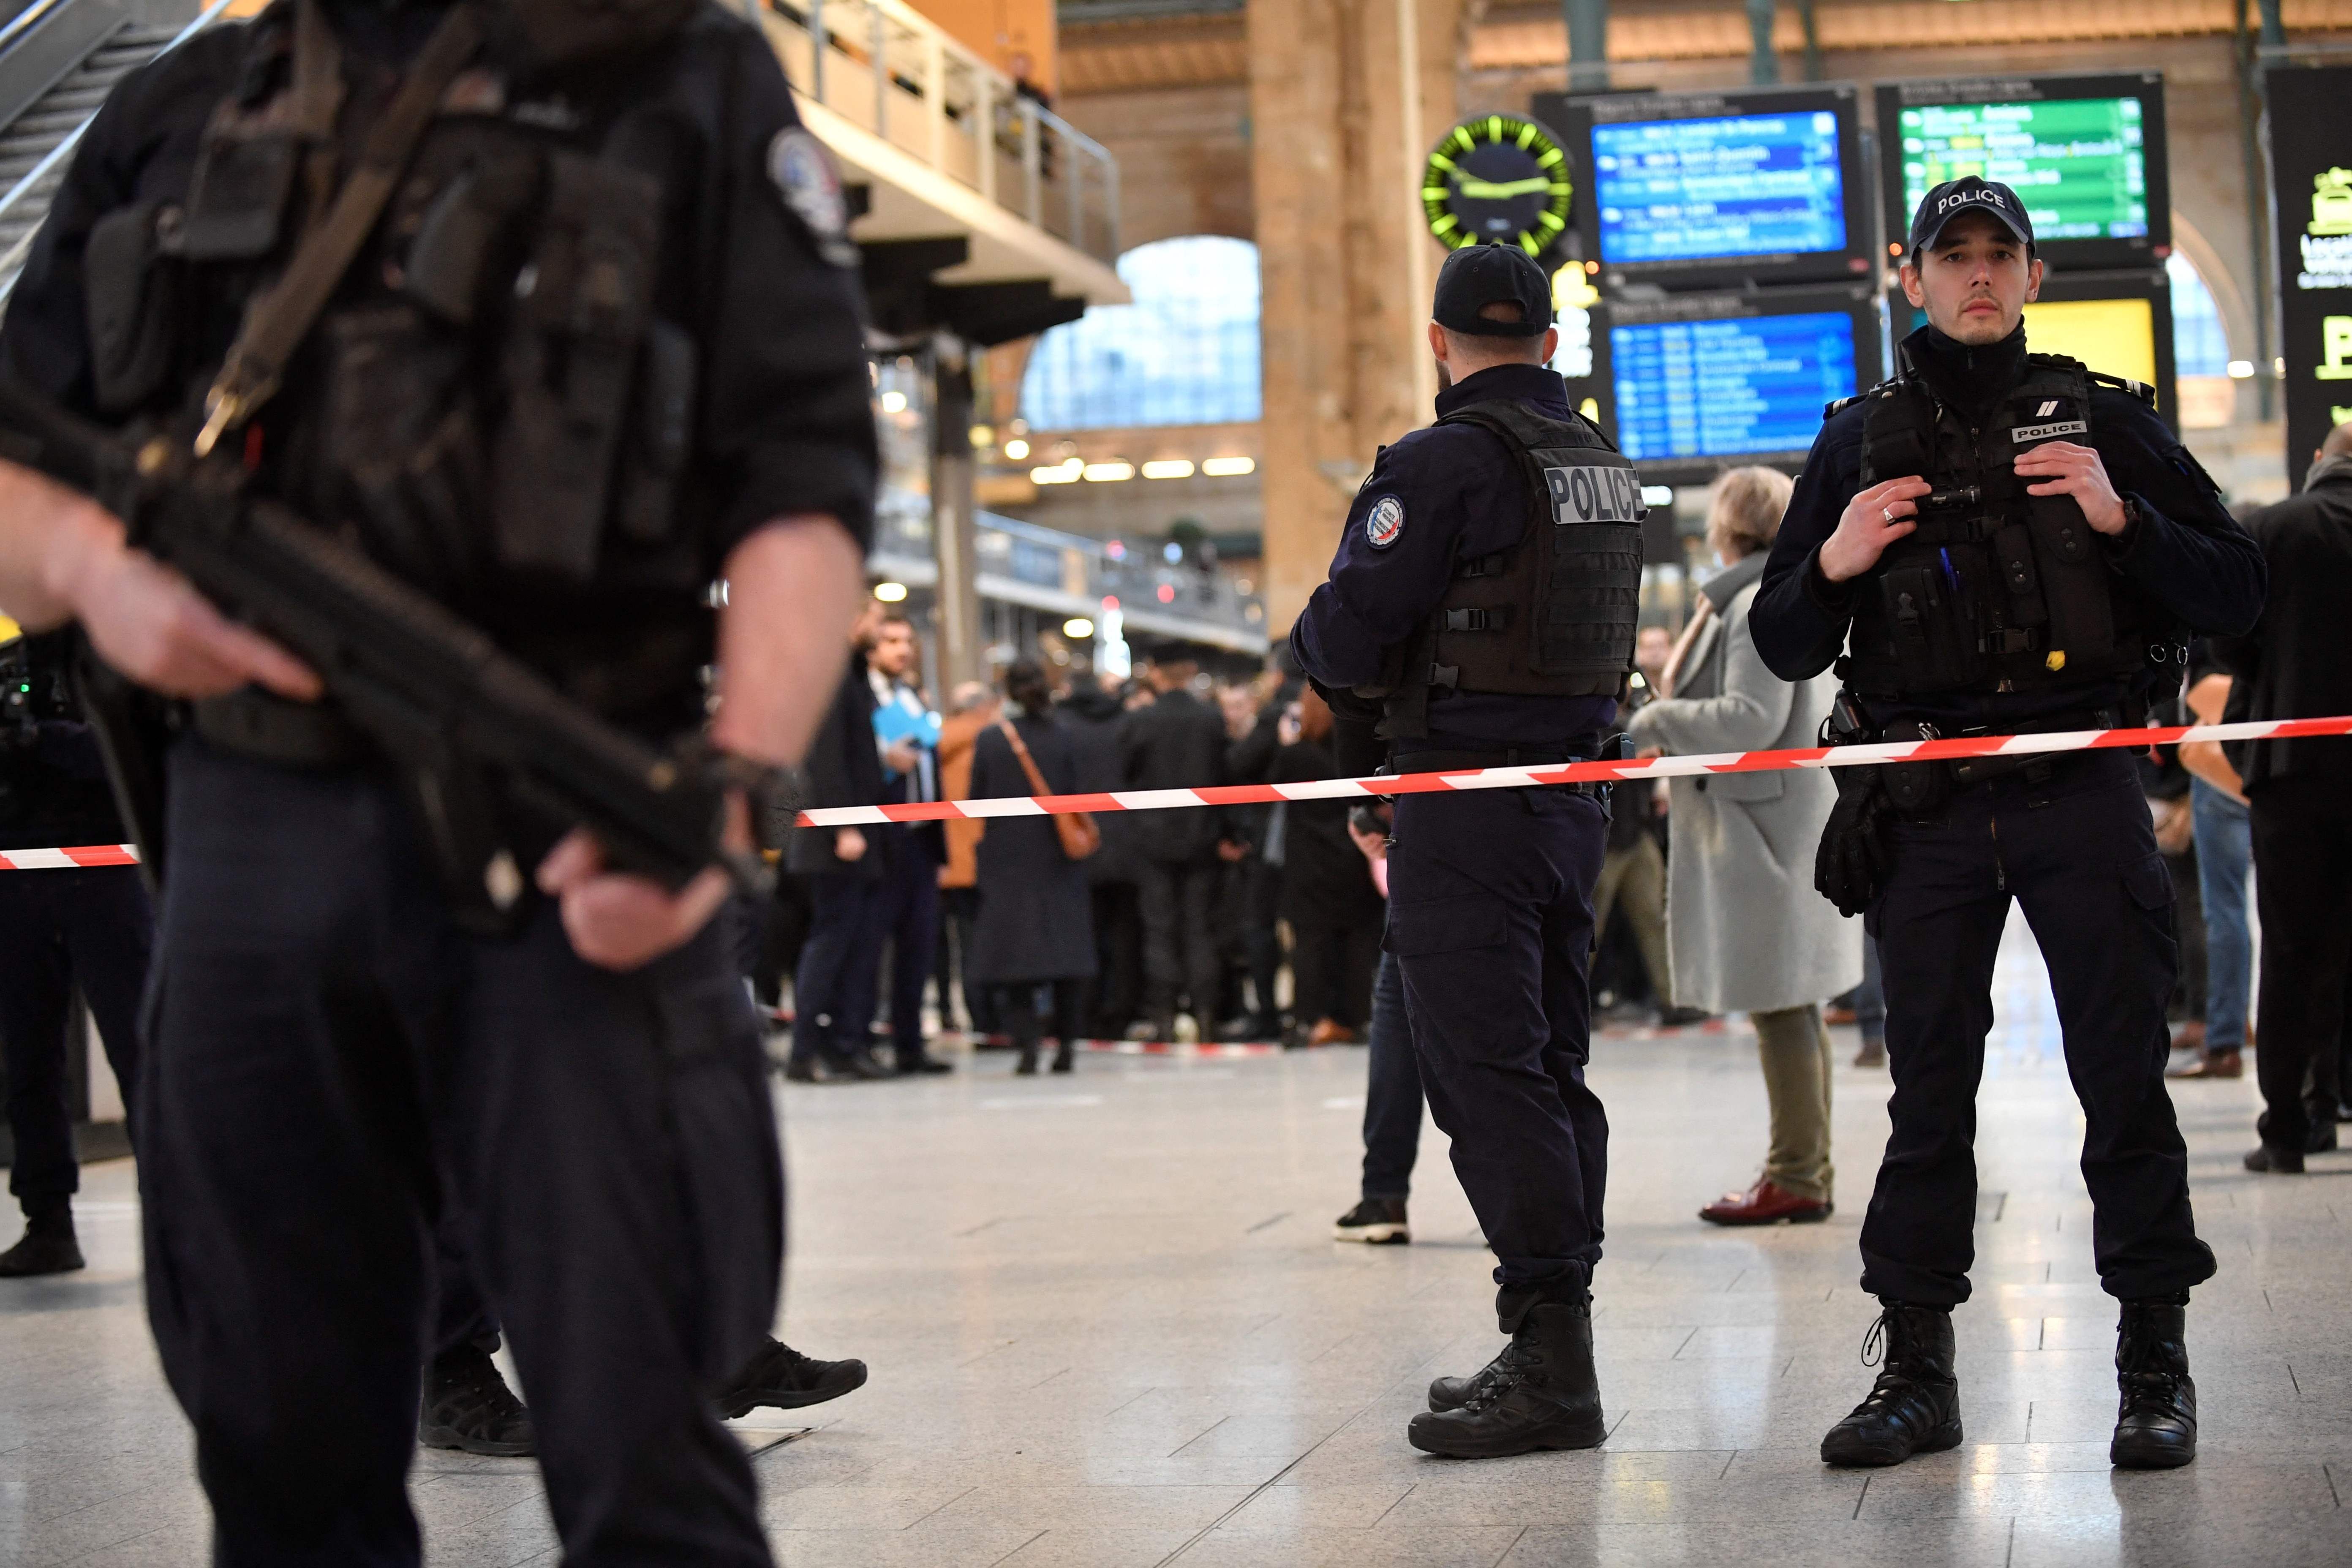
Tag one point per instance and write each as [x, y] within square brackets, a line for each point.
[1076, 830]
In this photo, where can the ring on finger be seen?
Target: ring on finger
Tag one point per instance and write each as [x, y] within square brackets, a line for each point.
[1887, 512]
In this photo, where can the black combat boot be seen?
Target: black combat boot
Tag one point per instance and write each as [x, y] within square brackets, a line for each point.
[468, 1405]
[1914, 1405]
[2157, 1428]
[780, 1376]
[1541, 1392]
[48, 1245]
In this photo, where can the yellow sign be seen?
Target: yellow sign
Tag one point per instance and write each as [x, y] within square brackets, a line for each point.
[2335, 342]
[2331, 202]
[9, 630]
[2117, 336]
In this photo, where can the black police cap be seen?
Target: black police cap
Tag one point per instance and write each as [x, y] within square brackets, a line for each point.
[1477, 276]
[1970, 193]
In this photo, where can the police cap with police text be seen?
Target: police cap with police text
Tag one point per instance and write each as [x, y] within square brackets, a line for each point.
[1970, 193]
[1477, 276]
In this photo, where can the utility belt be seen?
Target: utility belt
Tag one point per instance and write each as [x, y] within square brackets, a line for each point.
[1918, 789]
[1446, 762]
[253, 723]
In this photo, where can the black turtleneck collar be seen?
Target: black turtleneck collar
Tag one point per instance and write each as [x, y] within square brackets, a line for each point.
[1968, 377]
[1516, 383]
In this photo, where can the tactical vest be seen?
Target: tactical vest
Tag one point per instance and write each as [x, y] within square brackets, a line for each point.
[1995, 590]
[1553, 616]
[492, 398]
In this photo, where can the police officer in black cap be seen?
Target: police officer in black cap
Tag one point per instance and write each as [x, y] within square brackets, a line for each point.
[1481, 612]
[2000, 542]
[575, 331]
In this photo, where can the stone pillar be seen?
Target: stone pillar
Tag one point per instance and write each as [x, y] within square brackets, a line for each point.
[1345, 98]
[955, 515]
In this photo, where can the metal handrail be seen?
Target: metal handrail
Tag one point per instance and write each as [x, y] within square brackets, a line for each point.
[14, 261]
[24, 19]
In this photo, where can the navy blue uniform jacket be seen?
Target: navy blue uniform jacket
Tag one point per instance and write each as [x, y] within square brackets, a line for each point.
[2186, 551]
[1459, 493]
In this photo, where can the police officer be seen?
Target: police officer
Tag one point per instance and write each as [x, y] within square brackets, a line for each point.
[1482, 608]
[601, 344]
[89, 927]
[2001, 542]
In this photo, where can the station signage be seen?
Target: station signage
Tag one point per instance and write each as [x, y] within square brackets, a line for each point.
[2311, 192]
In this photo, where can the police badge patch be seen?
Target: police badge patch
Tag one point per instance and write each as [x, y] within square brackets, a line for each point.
[804, 174]
[1384, 522]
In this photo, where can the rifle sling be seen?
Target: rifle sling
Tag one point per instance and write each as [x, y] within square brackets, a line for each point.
[276, 321]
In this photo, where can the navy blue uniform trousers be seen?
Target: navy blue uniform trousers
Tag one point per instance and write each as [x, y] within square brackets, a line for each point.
[906, 914]
[91, 928]
[2077, 853]
[1490, 918]
[331, 1068]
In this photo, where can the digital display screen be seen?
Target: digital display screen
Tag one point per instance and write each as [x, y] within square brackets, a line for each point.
[2079, 164]
[1728, 389]
[2117, 336]
[1734, 185]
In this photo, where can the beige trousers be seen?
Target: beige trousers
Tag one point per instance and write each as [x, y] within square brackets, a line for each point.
[1638, 875]
[1794, 1048]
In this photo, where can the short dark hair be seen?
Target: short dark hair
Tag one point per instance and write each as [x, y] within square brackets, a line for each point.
[1025, 683]
[895, 619]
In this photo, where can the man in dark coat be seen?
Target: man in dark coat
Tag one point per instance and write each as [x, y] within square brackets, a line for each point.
[1177, 742]
[1092, 716]
[2292, 665]
[845, 883]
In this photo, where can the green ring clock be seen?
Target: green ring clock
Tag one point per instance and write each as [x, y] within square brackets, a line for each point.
[1498, 179]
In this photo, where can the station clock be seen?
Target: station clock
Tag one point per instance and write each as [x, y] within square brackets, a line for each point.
[1499, 179]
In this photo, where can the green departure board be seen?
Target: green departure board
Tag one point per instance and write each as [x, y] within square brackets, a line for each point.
[2079, 164]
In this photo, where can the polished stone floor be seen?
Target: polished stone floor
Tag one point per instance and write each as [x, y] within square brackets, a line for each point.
[1108, 1327]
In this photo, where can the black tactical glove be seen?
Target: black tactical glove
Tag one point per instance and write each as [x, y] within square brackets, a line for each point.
[1853, 861]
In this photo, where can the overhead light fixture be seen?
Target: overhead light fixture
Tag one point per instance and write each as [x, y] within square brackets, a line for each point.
[894, 402]
[1229, 467]
[1168, 469]
[1109, 473]
[890, 593]
[2241, 370]
[1057, 475]
[1077, 628]
[982, 436]
[1657, 495]
[1016, 450]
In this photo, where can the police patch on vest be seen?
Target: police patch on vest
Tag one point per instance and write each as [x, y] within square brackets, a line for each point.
[804, 177]
[2020, 434]
[1595, 494]
[1384, 522]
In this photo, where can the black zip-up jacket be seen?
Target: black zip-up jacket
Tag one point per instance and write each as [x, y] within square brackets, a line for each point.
[2184, 551]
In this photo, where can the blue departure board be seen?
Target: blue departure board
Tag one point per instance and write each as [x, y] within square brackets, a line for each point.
[1728, 389]
[1696, 190]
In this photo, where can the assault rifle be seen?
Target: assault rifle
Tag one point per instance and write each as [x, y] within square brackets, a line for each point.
[474, 732]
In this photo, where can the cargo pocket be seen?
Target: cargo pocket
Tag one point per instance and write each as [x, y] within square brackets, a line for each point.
[1444, 925]
[2150, 887]
[132, 300]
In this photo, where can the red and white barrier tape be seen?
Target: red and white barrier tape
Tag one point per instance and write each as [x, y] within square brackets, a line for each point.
[1577, 772]
[85, 855]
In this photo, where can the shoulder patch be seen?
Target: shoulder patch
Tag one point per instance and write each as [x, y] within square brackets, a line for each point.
[803, 175]
[1384, 523]
[2138, 389]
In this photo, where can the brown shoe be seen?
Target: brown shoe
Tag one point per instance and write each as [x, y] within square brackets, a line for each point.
[1765, 1203]
[2221, 1064]
[1872, 1055]
[1836, 1016]
[1330, 1032]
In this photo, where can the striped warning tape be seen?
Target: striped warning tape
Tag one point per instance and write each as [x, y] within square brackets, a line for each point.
[1578, 773]
[68, 859]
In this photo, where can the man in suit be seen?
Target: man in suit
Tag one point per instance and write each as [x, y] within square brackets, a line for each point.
[1177, 742]
[906, 907]
[845, 768]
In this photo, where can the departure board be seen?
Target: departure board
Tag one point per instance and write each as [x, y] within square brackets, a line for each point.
[2079, 164]
[1726, 186]
[1728, 389]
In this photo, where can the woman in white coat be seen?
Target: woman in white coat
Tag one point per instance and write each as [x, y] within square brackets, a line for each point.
[1745, 929]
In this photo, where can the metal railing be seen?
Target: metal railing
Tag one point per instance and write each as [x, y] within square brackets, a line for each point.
[888, 69]
[1064, 573]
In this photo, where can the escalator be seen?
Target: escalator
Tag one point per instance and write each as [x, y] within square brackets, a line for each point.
[58, 59]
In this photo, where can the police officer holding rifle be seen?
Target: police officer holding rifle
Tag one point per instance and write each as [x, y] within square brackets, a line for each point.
[452, 351]
[1998, 541]
[1481, 612]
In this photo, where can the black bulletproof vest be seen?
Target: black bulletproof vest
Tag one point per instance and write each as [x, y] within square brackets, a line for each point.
[1555, 615]
[1996, 590]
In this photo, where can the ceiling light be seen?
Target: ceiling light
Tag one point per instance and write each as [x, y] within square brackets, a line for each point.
[1057, 475]
[1109, 473]
[890, 593]
[1229, 467]
[1169, 468]
[894, 402]
[1016, 450]
[2241, 370]
[1077, 628]
[982, 436]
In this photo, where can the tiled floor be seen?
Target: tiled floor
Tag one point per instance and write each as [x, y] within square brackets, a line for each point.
[1108, 1327]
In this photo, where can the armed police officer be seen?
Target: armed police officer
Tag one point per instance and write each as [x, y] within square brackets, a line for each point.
[546, 311]
[2000, 542]
[1482, 608]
